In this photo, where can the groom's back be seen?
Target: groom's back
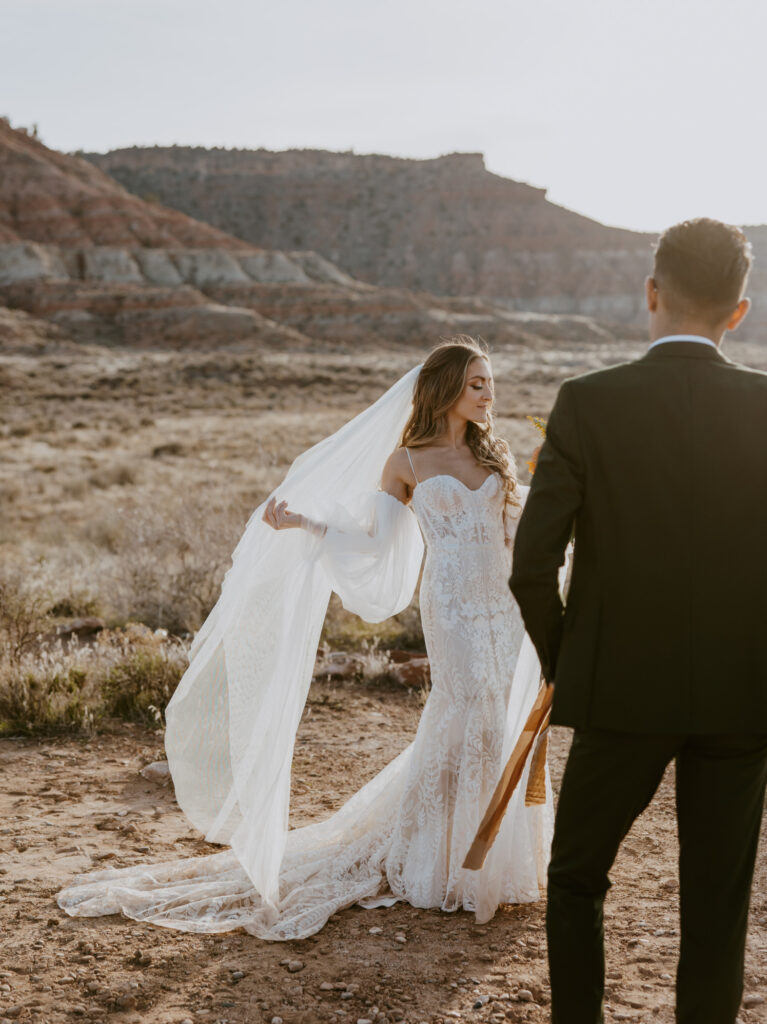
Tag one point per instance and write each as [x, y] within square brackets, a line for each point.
[666, 624]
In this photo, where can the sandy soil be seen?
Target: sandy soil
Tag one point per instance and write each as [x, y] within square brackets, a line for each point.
[73, 805]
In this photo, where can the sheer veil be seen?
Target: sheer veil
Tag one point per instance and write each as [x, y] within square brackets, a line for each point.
[232, 721]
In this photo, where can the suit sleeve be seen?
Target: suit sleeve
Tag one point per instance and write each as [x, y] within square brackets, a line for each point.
[545, 529]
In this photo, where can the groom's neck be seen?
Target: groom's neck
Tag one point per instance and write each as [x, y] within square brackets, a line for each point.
[662, 327]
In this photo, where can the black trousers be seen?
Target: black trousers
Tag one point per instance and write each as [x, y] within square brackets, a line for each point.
[609, 780]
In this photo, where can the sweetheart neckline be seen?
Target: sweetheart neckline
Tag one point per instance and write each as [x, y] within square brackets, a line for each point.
[449, 476]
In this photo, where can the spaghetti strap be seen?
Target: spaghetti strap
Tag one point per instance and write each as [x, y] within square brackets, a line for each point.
[410, 460]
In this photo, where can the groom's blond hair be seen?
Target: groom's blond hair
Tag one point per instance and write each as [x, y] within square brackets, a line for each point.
[702, 266]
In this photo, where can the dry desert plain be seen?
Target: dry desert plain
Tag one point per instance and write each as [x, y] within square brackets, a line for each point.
[125, 479]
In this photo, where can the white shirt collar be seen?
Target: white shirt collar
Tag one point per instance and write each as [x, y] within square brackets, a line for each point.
[684, 337]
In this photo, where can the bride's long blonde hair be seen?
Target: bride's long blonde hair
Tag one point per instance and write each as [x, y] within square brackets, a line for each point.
[440, 384]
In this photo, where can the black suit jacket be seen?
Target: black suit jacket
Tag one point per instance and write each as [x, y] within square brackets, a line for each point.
[660, 467]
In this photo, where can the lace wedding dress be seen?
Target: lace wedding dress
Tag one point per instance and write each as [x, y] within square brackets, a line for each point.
[232, 721]
[404, 835]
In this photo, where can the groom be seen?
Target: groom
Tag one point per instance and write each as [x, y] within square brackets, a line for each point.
[660, 468]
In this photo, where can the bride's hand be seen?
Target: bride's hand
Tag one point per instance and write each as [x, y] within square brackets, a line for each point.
[279, 517]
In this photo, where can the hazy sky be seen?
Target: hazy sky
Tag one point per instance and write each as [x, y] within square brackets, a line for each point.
[637, 114]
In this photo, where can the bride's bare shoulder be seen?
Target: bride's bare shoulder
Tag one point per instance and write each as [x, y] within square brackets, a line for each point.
[398, 459]
[397, 475]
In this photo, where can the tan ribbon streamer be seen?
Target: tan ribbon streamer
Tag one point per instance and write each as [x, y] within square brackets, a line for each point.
[535, 794]
[536, 726]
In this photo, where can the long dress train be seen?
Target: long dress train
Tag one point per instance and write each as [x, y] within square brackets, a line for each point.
[404, 835]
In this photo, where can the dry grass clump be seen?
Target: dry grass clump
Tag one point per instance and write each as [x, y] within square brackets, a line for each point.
[22, 613]
[369, 663]
[50, 684]
[69, 686]
[118, 474]
[168, 562]
[347, 632]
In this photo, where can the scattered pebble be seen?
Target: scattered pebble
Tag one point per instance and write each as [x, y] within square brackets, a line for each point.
[238, 975]
[276, 1020]
[753, 1000]
[157, 771]
[482, 1001]
[327, 986]
[399, 937]
[375, 931]
[295, 965]
[525, 996]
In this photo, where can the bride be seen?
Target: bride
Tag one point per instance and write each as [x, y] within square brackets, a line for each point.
[444, 477]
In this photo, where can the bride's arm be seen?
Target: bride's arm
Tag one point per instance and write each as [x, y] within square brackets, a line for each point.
[279, 517]
[371, 554]
[395, 480]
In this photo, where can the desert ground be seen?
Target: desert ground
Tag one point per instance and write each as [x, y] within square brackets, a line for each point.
[73, 805]
[125, 479]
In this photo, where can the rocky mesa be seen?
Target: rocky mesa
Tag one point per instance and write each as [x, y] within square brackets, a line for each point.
[82, 259]
[446, 226]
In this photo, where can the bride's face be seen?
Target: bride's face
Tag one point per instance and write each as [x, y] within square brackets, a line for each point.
[477, 397]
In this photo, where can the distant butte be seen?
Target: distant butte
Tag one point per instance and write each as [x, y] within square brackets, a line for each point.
[194, 248]
[446, 226]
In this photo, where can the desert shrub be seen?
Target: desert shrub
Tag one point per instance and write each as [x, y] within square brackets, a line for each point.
[140, 684]
[169, 448]
[22, 612]
[66, 686]
[118, 474]
[104, 533]
[75, 487]
[10, 492]
[170, 560]
[345, 631]
[44, 695]
[75, 604]
[23, 429]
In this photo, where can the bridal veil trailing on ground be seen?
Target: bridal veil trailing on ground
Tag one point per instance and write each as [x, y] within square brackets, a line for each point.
[231, 724]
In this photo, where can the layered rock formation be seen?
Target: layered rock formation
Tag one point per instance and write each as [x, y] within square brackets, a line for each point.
[86, 260]
[190, 298]
[99, 265]
[47, 196]
[445, 226]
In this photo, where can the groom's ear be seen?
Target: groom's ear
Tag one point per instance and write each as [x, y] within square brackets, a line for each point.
[738, 314]
[651, 291]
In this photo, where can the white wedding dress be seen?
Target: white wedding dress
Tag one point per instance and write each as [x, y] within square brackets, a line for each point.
[405, 834]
